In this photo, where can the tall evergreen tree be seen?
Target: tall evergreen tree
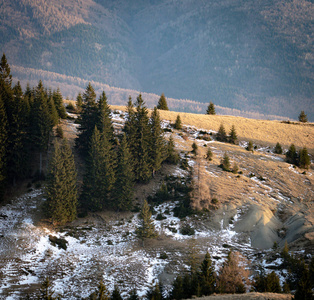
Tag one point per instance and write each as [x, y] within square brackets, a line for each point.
[115, 295]
[6, 92]
[124, 186]
[162, 103]
[3, 145]
[225, 163]
[147, 227]
[58, 101]
[292, 155]
[61, 191]
[211, 109]
[304, 161]
[101, 293]
[100, 175]
[88, 120]
[141, 143]
[221, 134]
[178, 123]
[54, 116]
[157, 144]
[207, 276]
[79, 103]
[177, 291]
[104, 122]
[172, 156]
[278, 149]
[233, 135]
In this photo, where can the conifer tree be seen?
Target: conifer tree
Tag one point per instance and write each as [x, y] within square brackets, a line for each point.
[140, 146]
[3, 143]
[233, 135]
[209, 154]
[194, 148]
[221, 134]
[101, 293]
[304, 287]
[88, 120]
[6, 86]
[154, 293]
[100, 175]
[250, 146]
[178, 123]
[305, 160]
[292, 155]
[124, 186]
[278, 149]
[303, 117]
[115, 295]
[157, 144]
[46, 292]
[104, 122]
[129, 125]
[58, 100]
[211, 109]
[177, 291]
[207, 276]
[147, 227]
[79, 103]
[54, 116]
[162, 103]
[172, 155]
[133, 295]
[225, 163]
[273, 283]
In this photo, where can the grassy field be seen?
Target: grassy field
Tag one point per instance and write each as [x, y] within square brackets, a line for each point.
[261, 132]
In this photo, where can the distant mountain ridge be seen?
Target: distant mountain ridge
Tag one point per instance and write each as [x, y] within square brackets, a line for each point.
[248, 55]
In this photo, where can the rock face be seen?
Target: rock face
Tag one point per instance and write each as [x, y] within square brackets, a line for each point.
[238, 54]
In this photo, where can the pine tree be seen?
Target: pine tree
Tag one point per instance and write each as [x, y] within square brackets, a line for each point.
[54, 116]
[250, 146]
[99, 179]
[88, 120]
[278, 149]
[115, 295]
[79, 103]
[124, 186]
[273, 283]
[304, 287]
[305, 160]
[233, 135]
[104, 122]
[61, 191]
[207, 276]
[172, 156]
[3, 144]
[58, 100]
[225, 163]
[140, 146]
[178, 123]
[211, 109]
[46, 292]
[162, 103]
[177, 291]
[235, 168]
[209, 154]
[147, 227]
[303, 117]
[292, 155]
[157, 144]
[194, 148]
[221, 134]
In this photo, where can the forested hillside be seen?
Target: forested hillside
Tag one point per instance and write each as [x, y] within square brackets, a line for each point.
[248, 55]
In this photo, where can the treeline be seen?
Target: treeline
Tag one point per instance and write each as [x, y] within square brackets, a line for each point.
[202, 280]
[27, 119]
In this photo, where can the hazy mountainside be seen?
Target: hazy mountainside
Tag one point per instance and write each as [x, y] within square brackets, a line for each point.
[248, 55]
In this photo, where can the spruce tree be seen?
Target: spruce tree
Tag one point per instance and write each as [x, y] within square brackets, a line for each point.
[101, 293]
[157, 144]
[177, 291]
[209, 154]
[88, 120]
[278, 149]
[147, 227]
[104, 122]
[3, 145]
[58, 101]
[292, 155]
[162, 103]
[178, 123]
[172, 155]
[304, 287]
[79, 103]
[207, 276]
[233, 135]
[273, 283]
[140, 146]
[211, 109]
[99, 179]
[115, 295]
[304, 161]
[61, 191]
[221, 134]
[54, 116]
[225, 163]
[124, 186]
[303, 117]
[194, 148]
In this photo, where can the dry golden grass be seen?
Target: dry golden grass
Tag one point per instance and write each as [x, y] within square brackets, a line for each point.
[262, 132]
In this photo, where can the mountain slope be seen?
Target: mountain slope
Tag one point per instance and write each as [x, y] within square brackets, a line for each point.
[248, 55]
